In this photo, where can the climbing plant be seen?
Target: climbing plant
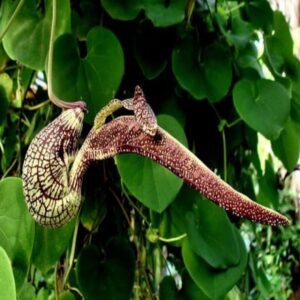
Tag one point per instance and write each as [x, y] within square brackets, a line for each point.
[222, 78]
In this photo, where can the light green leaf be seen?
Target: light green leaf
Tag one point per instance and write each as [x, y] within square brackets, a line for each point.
[6, 88]
[17, 226]
[155, 186]
[7, 282]
[264, 105]
[27, 39]
[287, 146]
[94, 78]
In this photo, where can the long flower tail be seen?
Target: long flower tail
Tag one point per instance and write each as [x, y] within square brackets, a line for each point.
[125, 135]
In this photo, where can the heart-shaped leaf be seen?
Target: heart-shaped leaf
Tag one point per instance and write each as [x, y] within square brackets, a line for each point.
[17, 226]
[210, 78]
[264, 105]
[94, 78]
[49, 245]
[7, 282]
[27, 39]
[155, 186]
[109, 279]
[215, 283]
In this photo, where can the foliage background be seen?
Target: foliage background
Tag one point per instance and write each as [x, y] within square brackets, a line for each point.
[223, 79]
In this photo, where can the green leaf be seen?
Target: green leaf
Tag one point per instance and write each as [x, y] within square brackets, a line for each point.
[84, 16]
[264, 105]
[66, 295]
[123, 9]
[27, 39]
[94, 78]
[168, 290]
[162, 14]
[6, 89]
[155, 186]
[7, 282]
[210, 78]
[287, 146]
[215, 283]
[190, 290]
[260, 14]
[111, 278]
[27, 292]
[17, 226]
[210, 233]
[50, 244]
[240, 33]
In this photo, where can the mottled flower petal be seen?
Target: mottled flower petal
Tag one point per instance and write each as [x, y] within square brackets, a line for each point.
[124, 135]
[46, 182]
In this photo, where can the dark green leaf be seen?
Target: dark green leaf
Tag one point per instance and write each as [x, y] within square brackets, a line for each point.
[168, 290]
[155, 186]
[164, 14]
[240, 33]
[215, 283]
[17, 226]
[7, 282]
[49, 245]
[210, 233]
[27, 39]
[123, 9]
[264, 105]
[94, 78]
[108, 279]
[260, 14]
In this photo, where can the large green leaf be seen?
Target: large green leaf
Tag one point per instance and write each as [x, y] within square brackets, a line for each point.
[94, 78]
[210, 78]
[215, 283]
[210, 233]
[155, 186]
[17, 226]
[49, 245]
[264, 105]
[27, 39]
[111, 278]
[7, 282]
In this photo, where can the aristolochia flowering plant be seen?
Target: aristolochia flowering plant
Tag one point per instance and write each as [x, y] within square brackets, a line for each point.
[54, 167]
